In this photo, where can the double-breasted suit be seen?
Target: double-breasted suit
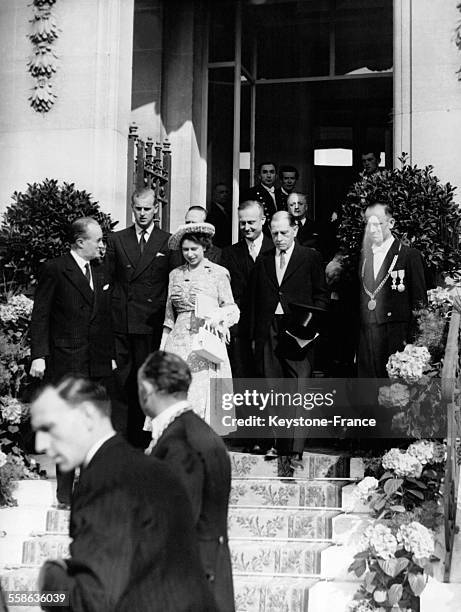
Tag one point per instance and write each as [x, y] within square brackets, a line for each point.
[199, 458]
[71, 323]
[388, 326]
[134, 545]
[140, 284]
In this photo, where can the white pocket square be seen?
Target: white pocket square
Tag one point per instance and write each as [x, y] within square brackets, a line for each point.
[106, 287]
[160, 254]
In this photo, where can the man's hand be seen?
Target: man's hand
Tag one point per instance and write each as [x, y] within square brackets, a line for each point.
[38, 367]
[333, 270]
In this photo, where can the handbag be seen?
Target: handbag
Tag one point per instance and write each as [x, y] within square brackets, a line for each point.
[207, 344]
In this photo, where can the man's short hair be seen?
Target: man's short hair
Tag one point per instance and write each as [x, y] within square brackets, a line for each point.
[143, 194]
[75, 390]
[388, 208]
[249, 204]
[266, 163]
[197, 207]
[284, 214]
[78, 228]
[167, 372]
[377, 154]
[283, 169]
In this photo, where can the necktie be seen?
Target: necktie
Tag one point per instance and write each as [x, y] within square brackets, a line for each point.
[142, 241]
[252, 251]
[282, 259]
[88, 273]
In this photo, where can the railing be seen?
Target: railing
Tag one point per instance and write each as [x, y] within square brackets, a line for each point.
[450, 402]
[146, 168]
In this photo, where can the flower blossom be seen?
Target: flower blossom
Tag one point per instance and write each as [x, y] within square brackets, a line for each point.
[381, 541]
[364, 488]
[3, 459]
[11, 409]
[18, 306]
[402, 463]
[416, 539]
[394, 396]
[408, 364]
[427, 451]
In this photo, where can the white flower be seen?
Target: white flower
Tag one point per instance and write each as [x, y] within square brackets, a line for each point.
[394, 396]
[364, 488]
[3, 459]
[408, 364]
[380, 540]
[427, 451]
[18, 306]
[360, 605]
[416, 539]
[402, 463]
[439, 296]
[11, 409]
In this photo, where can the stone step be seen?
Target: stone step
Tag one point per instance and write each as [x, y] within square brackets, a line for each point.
[37, 493]
[57, 521]
[279, 523]
[332, 596]
[348, 528]
[272, 594]
[38, 549]
[276, 557]
[19, 578]
[316, 465]
[287, 493]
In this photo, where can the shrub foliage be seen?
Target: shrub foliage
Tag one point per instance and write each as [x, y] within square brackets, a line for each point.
[426, 215]
[35, 226]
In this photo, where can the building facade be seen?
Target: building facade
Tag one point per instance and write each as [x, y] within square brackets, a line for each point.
[230, 84]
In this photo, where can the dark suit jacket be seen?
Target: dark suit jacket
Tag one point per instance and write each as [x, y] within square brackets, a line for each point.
[134, 546]
[281, 199]
[222, 222]
[392, 305]
[308, 234]
[303, 282]
[140, 282]
[71, 324]
[198, 456]
[238, 261]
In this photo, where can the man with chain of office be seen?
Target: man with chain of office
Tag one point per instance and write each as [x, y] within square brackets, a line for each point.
[392, 287]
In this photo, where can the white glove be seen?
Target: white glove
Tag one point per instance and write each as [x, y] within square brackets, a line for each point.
[38, 367]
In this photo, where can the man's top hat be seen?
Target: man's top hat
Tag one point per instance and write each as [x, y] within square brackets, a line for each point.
[305, 321]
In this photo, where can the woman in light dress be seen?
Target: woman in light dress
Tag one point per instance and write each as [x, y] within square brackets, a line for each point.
[199, 276]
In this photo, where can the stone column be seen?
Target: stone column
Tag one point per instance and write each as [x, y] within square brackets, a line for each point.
[427, 92]
[83, 138]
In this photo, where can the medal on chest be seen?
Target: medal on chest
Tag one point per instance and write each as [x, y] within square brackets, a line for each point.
[394, 274]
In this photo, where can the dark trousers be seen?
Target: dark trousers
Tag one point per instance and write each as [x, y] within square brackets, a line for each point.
[376, 344]
[274, 365]
[131, 351]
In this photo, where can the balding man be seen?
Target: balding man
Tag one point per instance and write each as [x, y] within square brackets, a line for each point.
[70, 330]
[287, 274]
[307, 234]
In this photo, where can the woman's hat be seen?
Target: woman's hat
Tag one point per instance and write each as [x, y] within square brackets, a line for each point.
[189, 228]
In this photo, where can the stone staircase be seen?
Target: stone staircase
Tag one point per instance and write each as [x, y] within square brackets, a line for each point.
[284, 534]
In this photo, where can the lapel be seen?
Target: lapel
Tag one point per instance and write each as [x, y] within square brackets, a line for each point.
[387, 261]
[153, 246]
[269, 263]
[98, 280]
[296, 260]
[130, 245]
[76, 277]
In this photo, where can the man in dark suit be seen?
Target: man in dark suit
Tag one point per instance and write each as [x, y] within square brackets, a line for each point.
[220, 215]
[139, 262]
[392, 287]
[307, 234]
[198, 214]
[264, 192]
[240, 260]
[287, 274]
[70, 330]
[133, 542]
[198, 457]
[289, 176]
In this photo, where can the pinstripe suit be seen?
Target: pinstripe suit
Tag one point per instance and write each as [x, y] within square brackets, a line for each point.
[134, 547]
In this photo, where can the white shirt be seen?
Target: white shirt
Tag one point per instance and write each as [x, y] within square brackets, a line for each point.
[96, 446]
[81, 263]
[257, 244]
[379, 254]
[161, 421]
[147, 230]
[280, 273]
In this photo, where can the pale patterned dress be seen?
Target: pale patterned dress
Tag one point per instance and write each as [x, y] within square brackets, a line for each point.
[214, 281]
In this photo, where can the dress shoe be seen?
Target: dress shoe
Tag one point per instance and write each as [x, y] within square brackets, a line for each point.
[271, 454]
